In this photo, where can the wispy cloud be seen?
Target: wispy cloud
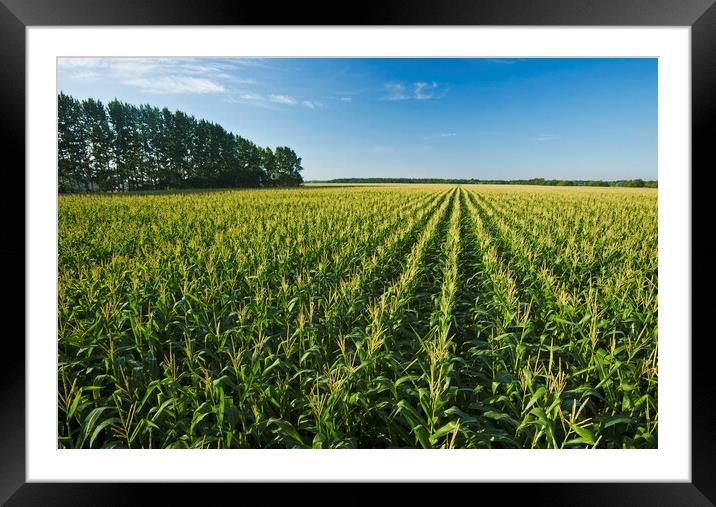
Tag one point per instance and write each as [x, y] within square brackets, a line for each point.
[87, 76]
[424, 91]
[346, 99]
[176, 84]
[282, 99]
[82, 63]
[420, 90]
[225, 77]
[274, 100]
[448, 134]
[157, 75]
[312, 104]
[250, 62]
[544, 139]
[396, 91]
[251, 96]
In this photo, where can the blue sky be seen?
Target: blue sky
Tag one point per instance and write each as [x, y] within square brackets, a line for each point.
[450, 118]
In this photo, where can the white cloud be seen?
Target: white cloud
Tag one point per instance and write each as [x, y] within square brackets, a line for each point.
[420, 90]
[425, 91]
[81, 63]
[250, 96]
[282, 99]
[346, 99]
[175, 84]
[543, 139]
[250, 62]
[448, 134]
[86, 76]
[179, 76]
[312, 104]
[269, 101]
[153, 75]
[126, 69]
[396, 91]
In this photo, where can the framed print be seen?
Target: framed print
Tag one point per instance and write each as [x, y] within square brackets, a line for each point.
[401, 247]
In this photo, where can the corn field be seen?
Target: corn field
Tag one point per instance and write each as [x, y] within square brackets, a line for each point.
[410, 316]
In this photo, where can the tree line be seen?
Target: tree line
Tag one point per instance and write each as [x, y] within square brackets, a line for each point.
[126, 147]
[639, 183]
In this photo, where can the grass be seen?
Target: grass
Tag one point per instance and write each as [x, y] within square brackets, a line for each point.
[429, 316]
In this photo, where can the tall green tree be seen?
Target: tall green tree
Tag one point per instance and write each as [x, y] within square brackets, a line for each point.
[201, 172]
[150, 127]
[287, 167]
[169, 153]
[124, 147]
[270, 176]
[73, 162]
[99, 144]
[248, 159]
[183, 130]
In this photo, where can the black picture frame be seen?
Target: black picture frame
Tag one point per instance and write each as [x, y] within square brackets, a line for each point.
[17, 15]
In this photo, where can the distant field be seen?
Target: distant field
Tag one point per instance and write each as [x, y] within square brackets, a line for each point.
[359, 316]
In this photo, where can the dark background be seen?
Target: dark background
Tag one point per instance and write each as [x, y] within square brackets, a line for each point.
[15, 15]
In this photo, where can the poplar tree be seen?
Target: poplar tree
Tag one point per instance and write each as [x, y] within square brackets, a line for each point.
[124, 147]
[73, 165]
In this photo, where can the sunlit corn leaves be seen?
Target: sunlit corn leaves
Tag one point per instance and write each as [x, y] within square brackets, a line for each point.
[386, 316]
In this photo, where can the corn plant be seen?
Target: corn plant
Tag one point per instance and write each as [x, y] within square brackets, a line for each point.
[427, 316]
